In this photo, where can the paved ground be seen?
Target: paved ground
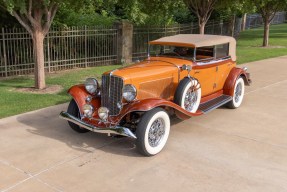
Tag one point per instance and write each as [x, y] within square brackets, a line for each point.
[226, 150]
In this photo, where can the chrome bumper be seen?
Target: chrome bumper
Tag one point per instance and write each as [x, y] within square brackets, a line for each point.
[117, 130]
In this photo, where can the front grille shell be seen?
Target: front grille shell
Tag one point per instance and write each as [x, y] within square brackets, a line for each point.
[111, 93]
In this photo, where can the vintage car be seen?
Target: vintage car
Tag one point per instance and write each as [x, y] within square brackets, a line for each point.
[189, 75]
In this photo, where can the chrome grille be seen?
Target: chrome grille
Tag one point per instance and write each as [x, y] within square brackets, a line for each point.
[111, 93]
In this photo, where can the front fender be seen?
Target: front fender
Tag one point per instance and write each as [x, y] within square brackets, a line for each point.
[148, 104]
[79, 94]
[228, 88]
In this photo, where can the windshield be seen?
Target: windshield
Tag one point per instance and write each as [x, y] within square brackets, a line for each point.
[172, 51]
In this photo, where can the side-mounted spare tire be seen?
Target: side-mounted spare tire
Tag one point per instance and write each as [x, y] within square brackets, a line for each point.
[188, 94]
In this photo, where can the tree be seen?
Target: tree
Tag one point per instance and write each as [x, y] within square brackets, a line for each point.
[202, 9]
[6, 20]
[36, 17]
[268, 10]
[152, 12]
[228, 10]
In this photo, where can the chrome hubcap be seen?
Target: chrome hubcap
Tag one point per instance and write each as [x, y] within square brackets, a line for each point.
[190, 99]
[156, 132]
[238, 92]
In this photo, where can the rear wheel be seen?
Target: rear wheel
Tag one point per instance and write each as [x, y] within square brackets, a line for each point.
[152, 132]
[74, 110]
[238, 94]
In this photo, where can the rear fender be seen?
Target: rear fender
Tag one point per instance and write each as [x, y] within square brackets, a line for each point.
[234, 74]
[79, 94]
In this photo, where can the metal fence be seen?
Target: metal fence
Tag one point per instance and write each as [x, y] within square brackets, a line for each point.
[93, 46]
[64, 49]
[143, 34]
[255, 20]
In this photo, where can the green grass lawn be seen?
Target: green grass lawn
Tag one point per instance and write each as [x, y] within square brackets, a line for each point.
[250, 41]
[12, 103]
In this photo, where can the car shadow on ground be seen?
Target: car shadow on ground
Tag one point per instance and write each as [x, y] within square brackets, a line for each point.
[47, 124]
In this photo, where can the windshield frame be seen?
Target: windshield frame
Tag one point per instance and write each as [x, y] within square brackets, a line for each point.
[173, 56]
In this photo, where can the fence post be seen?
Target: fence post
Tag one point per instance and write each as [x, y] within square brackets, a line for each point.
[165, 30]
[148, 39]
[213, 26]
[4, 52]
[221, 27]
[125, 41]
[49, 60]
[86, 51]
[233, 25]
[191, 27]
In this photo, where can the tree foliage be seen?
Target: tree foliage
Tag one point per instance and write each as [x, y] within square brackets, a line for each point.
[89, 14]
[140, 11]
[226, 9]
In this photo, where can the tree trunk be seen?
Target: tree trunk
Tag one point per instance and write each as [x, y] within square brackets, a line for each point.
[231, 25]
[201, 27]
[266, 34]
[38, 41]
[243, 22]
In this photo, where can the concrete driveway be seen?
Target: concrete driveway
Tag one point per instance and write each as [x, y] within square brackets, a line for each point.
[226, 150]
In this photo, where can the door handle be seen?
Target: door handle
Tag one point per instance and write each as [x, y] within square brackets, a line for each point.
[196, 72]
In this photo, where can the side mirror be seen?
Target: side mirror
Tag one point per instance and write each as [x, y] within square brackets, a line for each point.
[186, 67]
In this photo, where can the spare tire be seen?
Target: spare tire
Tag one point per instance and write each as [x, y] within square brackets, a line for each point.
[188, 94]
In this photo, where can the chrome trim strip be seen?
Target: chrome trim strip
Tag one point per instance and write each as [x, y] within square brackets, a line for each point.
[244, 68]
[117, 130]
[209, 62]
[110, 75]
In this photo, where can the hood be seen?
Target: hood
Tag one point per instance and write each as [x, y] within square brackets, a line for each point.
[152, 68]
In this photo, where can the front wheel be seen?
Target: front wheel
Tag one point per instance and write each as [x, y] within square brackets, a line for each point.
[238, 94]
[74, 110]
[152, 132]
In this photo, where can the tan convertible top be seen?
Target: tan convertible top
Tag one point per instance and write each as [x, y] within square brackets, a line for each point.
[198, 40]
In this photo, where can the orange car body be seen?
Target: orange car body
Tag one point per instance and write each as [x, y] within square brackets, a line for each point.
[189, 75]
[156, 80]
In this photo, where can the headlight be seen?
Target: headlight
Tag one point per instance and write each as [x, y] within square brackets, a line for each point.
[88, 110]
[91, 85]
[103, 113]
[129, 92]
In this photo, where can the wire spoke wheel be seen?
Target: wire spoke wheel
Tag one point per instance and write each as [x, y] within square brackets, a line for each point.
[152, 131]
[188, 94]
[238, 92]
[190, 99]
[156, 132]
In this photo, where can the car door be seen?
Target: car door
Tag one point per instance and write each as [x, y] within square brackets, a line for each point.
[206, 75]
[225, 64]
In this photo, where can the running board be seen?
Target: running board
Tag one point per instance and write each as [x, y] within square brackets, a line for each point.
[214, 103]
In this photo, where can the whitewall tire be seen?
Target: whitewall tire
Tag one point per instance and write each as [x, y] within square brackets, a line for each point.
[188, 94]
[152, 132]
[238, 94]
